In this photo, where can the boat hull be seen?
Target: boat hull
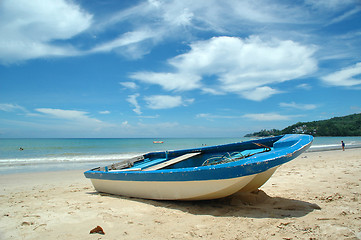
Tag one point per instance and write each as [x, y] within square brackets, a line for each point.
[190, 190]
[258, 180]
[181, 190]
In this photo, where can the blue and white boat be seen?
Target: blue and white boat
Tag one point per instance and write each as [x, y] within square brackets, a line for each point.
[199, 173]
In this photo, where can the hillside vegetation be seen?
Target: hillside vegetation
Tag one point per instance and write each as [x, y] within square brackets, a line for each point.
[338, 126]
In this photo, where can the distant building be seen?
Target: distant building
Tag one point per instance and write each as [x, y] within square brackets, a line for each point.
[304, 130]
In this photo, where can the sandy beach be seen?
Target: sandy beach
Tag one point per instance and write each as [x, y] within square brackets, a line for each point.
[316, 196]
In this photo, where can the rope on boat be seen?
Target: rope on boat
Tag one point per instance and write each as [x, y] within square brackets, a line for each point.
[215, 160]
[223, 159]
[267, 148]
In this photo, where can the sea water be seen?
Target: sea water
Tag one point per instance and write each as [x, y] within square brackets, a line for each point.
[34, 155]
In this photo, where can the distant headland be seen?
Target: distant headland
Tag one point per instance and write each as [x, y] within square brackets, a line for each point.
[349, 125]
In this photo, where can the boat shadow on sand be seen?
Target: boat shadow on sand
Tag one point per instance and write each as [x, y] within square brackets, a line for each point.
[256, 204]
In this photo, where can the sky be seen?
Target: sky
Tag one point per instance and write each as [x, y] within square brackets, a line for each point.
[157, 69]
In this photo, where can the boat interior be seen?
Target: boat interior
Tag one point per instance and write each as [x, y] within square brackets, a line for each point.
[197, 157]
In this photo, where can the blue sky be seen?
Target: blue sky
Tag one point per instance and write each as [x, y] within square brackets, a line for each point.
[175, 68]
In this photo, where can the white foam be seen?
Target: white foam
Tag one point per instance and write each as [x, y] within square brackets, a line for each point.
[65, 159]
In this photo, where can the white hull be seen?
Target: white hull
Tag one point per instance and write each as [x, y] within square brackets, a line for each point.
[183, 190]
[259, 180]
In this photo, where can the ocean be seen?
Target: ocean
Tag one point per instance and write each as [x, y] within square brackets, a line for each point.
[55, 154]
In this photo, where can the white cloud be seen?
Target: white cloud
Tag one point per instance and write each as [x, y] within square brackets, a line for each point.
[124, 40]
[125, 124]
[346, 15]
[9, 107]
[104, 112]
[59, 122]
[169, 81]
[304, 86]
[206, 14]
[212, 116]
[73, 115]
[267, 116]
[70, 120]
[28, 27]
[130, 85]
[129, 14]
[132, 99]
[130, 44]
[299, 106]
[243, 63]
[346, 77]
[204, 115]
[243, 66]
[330, 4]
[259, 93]
[166, 101]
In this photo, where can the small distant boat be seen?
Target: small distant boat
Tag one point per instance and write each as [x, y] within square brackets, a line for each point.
[158, 142]
[200, 173]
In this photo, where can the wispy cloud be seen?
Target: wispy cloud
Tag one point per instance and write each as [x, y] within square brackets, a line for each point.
[73, 115]
[304, 86]
[132, 99]
[345, 15]
[69, 120]
[330, 4]
[130, 85]
[104, 112]
[213, 116]
[166, 101]
[345, 77]
[10, 107]
[154, 21]
[169, 81]
[298, 106]
[251, 116]
[130, 44]
[259, 93]
[268, 116]
[46, 26]
[207, 14]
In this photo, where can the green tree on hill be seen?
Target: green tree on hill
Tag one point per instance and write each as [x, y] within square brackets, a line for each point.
[338, 126]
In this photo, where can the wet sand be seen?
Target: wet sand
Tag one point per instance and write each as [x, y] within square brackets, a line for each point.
[316, 196]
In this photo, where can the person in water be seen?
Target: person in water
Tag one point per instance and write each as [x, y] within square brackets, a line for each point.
[343, 145]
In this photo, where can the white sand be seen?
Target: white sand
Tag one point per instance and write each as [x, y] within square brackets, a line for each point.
[316, 196]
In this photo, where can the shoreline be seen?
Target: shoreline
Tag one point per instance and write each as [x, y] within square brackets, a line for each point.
[314, 196]
[40, 167]
[321, 148]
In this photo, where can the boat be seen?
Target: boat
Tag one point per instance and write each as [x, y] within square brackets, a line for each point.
[202, 173]
[158, 142]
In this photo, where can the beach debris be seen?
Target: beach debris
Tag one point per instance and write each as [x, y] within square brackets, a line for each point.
[331, 198]
[98, 229]
[27, 223]
[326, 219]
[282, 225]
[27, 215]
[43, 224]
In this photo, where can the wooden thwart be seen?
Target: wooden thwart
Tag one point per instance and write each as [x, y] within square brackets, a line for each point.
[172, 161]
